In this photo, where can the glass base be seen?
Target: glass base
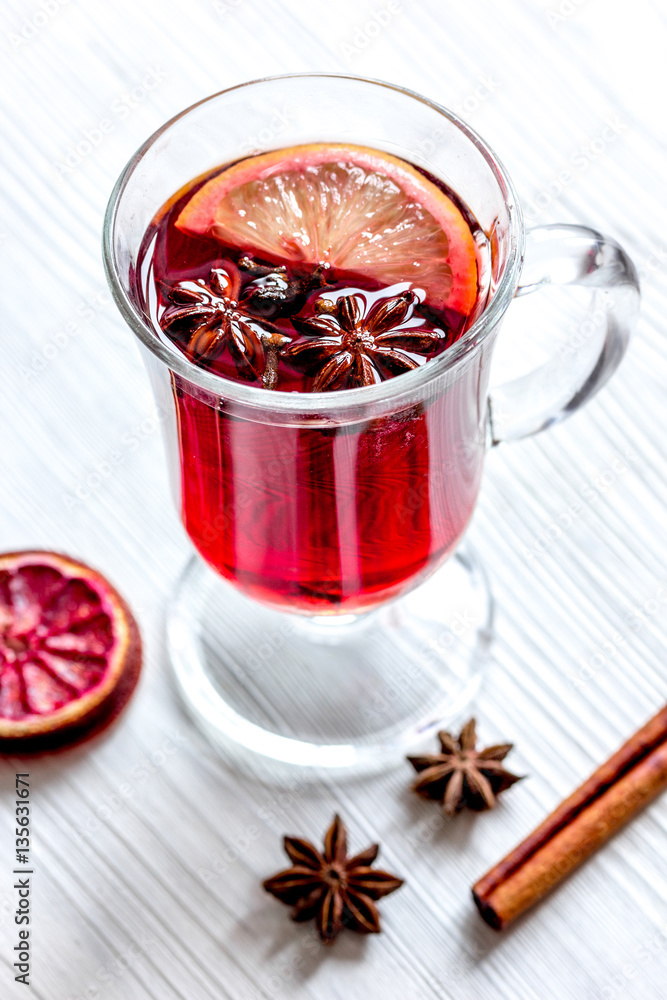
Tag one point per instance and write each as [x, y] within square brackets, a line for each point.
[338, 693]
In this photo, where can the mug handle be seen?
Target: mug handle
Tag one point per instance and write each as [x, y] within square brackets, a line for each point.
[569, 255]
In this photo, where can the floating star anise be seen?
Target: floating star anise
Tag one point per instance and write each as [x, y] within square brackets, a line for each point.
[336, 890]
[346, 344]
[273, 291]
[208, 316]
[461, 775]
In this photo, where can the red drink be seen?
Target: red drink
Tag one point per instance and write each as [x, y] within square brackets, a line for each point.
[334, 517]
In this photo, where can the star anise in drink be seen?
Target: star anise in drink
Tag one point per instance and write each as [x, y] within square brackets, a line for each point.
[461, 775]
[350, 345]
[207, 317]
[337, 890]
[273, 291]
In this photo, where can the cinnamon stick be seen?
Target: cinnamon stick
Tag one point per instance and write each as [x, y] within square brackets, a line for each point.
[613, 794]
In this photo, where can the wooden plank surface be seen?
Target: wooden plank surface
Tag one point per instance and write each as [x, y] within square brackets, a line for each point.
[149, 853]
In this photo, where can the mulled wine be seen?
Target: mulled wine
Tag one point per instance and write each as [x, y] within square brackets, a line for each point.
[319, 269]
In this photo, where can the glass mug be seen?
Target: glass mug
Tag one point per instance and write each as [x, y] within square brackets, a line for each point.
[316, 630]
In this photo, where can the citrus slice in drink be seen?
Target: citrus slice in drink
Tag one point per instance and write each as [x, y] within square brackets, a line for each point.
[70, 651]
[351, 207]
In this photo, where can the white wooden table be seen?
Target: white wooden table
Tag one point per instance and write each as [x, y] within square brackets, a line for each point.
[149, 853]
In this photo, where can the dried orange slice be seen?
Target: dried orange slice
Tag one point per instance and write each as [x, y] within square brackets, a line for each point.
[352, 207]
[70, 651]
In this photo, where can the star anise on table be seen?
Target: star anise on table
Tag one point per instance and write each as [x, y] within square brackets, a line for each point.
[461, 775]
[208, 318]
[337, 890]
[347, 344]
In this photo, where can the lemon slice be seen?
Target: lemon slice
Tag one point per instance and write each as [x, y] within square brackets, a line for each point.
[352, 207]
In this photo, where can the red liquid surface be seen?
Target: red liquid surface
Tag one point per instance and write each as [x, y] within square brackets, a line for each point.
[314, 519]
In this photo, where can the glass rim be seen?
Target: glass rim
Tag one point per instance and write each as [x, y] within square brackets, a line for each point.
[333, 400]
